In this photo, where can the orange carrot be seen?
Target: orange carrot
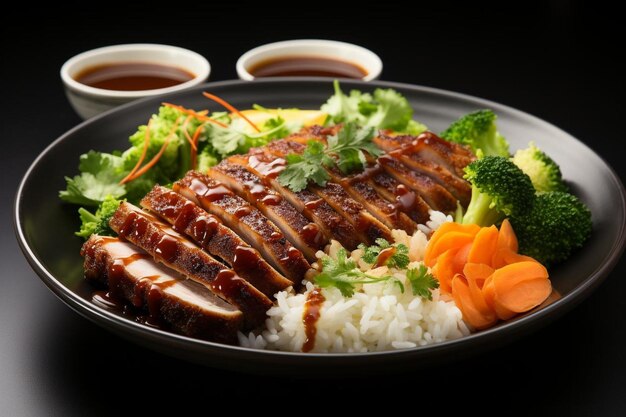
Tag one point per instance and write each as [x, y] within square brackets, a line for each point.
[156, 157]
[521, 286]
[451, 240]
[198, 115]
[477, 272]
[470, 301]
[444, 271]
[230, 107]
[194, 149]
[486, 276]
[485, 244]
[506, 237]
[186, 133]
[146, 143]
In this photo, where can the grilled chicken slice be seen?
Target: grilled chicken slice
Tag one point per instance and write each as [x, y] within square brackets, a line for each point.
[267, 167]
[245, 220]
[451, 156]
[433, 194]
[207, 231]
[183, 305]
[173, 250]
[368, 227]
[419, 156]
[303, 234]
[406, 200]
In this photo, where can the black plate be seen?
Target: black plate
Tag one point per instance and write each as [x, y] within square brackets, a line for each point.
[44, 226]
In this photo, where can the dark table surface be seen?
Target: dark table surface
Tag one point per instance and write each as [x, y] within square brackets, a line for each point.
[558, 61]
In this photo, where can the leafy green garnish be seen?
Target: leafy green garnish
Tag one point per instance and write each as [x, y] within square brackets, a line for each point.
[98, 223]
[344, 150]
[399, 259]
[100, 176]
[385, 109]
[343, 274]
[422, 282]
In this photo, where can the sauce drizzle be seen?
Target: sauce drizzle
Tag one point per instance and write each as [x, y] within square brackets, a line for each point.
[310, 316]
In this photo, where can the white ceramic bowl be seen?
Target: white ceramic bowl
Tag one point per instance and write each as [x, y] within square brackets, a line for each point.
[89, 101]
[343, 51]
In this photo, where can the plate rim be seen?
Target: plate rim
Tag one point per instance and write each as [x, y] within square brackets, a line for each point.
[121, 325]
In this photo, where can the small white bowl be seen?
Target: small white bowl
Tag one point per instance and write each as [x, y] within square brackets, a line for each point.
[90, 101]
[343, 51]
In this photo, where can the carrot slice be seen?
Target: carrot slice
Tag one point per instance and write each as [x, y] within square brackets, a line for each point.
[477, 273]
[198, 115]
[444, 271]
[521, 286]
[505, 256]
[146, 143]
[460, 258]
[186, 132]
[451, 240]
[507, 237]
[231, 108]
[156, 157]
[472, 305]
[484, 246]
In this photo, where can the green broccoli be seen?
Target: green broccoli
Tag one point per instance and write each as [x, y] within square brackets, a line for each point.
[558, 223]
[478, 130]
[499, 189]
[98, 223]
[542, 170]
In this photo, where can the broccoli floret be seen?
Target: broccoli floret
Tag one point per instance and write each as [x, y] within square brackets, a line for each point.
[478, 130]
[542, 170]
[558, 223]
[98, 223]
[499, 189]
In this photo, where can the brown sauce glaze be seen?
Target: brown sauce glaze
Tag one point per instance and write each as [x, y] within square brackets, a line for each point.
[204, 228]
[242, 212]
[312, 205]
[246, 259]
[312, 234]
[217, 193]
[268, 169]
[272, 199]
[310, 316]
[167, 248]
[185, 215]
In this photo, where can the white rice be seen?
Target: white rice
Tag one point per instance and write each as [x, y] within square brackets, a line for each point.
[378, 317]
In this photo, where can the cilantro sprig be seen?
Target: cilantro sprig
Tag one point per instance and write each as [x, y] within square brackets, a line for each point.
[422, 282]
[399, 259]
[343, 274]
[344, 150]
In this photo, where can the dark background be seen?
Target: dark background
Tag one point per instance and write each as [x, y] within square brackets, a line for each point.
[557, 60]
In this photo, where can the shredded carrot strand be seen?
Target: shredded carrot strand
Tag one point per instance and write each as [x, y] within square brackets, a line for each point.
[198, 115]
[156, 157]
[146, 143]
[194, 148]
[186, 133]
[230, 107]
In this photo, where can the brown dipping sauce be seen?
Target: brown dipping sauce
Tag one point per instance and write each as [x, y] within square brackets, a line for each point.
[307, 66]
[133, 76]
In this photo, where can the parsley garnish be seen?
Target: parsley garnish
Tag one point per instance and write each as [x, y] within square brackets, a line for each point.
[422, 282]
[343, 274]
[344, 150]
[400, 258]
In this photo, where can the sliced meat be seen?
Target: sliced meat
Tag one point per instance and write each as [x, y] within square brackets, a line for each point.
[452, 156]
[185, 306]
[303, 234]
[245, 220]
[433, 194]
[268, 166]
[207, 231]
[405, 199]
[368, 227]
[413, 156]
[173, 250]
